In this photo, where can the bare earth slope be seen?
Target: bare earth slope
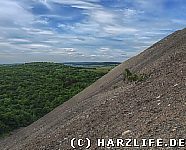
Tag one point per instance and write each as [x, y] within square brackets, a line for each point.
[155, 108]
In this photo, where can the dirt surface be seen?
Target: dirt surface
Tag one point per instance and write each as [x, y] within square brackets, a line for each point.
[112, 108]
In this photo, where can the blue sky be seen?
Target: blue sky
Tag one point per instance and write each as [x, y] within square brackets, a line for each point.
[84, 30]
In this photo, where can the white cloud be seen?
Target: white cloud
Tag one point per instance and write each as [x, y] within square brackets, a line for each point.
[130, 12]
[103, 16]
[37, 31]
[93, 55]
[119, 30]
[71, 50]
[63, 51]
[104, 49]
[51, 41]
[19, 40]
[33, 46]
[11, 13]
[81, 4]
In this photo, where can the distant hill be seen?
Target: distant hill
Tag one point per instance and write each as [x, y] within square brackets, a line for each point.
[114, 108]
[91, 64]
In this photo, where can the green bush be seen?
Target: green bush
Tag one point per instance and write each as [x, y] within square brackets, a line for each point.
[132, 77]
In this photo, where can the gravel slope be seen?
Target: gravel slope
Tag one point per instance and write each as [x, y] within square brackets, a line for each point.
[110, 108]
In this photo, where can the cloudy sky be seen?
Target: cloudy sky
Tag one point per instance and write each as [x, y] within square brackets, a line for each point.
[84, 30]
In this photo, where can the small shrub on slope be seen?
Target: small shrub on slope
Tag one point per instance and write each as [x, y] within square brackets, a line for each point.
[132, 77]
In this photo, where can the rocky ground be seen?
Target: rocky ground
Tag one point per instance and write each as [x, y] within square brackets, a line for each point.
[111, 108]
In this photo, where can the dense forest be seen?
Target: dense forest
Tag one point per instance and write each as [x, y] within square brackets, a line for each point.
[29, 91]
